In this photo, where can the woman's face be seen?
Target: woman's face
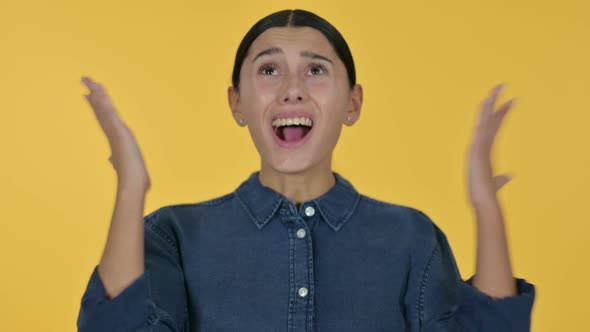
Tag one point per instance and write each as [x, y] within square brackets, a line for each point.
[294, 73]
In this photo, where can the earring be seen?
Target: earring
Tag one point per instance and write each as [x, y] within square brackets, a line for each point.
[348, 119]
[241, 121]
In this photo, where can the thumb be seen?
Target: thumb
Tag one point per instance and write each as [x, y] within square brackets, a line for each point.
[501, 180]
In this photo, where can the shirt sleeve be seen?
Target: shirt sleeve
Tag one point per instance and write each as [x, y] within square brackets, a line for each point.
[155, 301]
[443, 301]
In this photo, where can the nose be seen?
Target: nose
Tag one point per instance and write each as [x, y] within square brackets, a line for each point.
[294, 91]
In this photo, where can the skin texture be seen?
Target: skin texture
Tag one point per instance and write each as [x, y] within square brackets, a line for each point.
[295, 82]
[493, 274]
[122, 260]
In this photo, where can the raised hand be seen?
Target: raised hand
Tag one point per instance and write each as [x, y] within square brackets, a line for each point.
[126, 156]
[493, 267]
[483, 185]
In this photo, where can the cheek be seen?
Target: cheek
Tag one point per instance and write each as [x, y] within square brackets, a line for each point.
[256, 97]
[266, 85]
[256, 93]
[326, 95]
[265, 92]
[321, 86]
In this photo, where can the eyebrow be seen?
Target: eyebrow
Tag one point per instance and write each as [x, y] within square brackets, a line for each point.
[307, 54]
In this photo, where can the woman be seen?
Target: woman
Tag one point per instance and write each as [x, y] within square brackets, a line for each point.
[295, 247]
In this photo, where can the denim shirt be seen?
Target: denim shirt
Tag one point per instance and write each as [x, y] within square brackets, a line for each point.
[251, 261]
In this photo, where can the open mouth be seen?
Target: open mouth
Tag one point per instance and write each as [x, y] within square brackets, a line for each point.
[292, 133]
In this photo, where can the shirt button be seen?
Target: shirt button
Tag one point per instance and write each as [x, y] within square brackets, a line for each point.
[309, 211]
[303, 292]
[301, 233]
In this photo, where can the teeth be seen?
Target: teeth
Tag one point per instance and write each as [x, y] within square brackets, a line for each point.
[292, 121]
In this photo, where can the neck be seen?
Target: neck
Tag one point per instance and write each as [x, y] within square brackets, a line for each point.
[298, 187]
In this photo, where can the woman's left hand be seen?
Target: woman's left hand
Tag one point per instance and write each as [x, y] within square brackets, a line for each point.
[493, 274]
[483, 185]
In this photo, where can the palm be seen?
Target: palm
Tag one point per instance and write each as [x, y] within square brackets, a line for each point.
[126, 156]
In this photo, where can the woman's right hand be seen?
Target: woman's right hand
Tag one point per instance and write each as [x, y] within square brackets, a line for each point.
[126, 156]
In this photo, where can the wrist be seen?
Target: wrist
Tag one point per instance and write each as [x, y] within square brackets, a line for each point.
[132, 190]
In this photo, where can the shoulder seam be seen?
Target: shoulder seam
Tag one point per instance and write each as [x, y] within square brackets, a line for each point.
[161, 233]
[423, 284]
[157, 230]
[149, 225]
[426, 274]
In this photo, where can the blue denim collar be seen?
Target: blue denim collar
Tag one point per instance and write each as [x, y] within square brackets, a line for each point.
[262, 203]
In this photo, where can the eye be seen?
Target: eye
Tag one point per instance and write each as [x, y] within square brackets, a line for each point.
[318, 69]
[267, 69]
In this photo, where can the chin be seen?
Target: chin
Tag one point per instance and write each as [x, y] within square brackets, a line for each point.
[296, 160]
[290, 164]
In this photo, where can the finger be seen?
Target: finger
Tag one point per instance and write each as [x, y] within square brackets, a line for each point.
[485, 114]
[501, 180]
[496, 92]
[489, 103]
[500, 115]
[93, 86]
[102, 106]
[497, 89]
[98, 96]
[488, 121]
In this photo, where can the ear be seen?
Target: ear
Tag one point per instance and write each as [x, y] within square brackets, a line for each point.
[233, 97]
[354, 106]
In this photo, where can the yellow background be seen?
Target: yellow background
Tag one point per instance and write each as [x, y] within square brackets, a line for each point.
[424, 66]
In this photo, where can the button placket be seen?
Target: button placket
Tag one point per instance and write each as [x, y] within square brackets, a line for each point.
[302, 276]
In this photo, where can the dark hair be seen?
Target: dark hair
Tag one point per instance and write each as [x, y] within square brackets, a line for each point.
[295, 18]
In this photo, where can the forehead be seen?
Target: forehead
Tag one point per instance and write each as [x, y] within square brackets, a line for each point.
[292, 38]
